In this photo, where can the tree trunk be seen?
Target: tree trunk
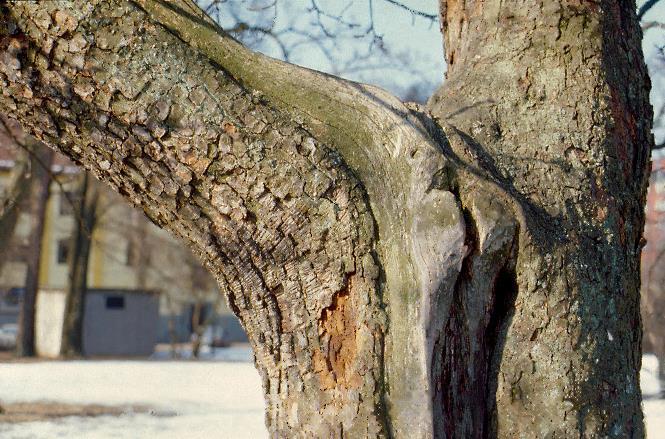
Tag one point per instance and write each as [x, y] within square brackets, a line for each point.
[85, 218]
[468, 272]
[41, 159]
[11, 199]
[552, 103]
[197, 328]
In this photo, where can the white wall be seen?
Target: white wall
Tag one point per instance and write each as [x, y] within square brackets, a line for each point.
[48, 322]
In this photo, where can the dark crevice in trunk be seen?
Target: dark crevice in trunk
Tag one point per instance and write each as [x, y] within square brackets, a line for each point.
[505, 294]
[450, 360]
[467, 354]
[452, 378]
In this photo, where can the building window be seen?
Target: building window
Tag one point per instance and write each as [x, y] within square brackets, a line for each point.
[12, 298]
[115, 302]
[63, 251]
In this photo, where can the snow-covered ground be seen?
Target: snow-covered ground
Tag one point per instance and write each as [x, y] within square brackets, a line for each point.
[209, 399]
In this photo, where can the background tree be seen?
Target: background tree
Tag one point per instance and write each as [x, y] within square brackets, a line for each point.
[41, 159]
[653, 283]
[126, 240]
[14, 191]
[450, 271]
[27, 189]
[357, 40]
[78, 262]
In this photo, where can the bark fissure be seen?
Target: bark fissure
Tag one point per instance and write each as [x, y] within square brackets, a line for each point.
[462, 368]
[505, 293]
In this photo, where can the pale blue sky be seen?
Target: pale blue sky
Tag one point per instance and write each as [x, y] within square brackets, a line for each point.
[413, 42]
[653, 39]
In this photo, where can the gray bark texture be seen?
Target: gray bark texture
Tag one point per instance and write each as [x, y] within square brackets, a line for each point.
[465, 269]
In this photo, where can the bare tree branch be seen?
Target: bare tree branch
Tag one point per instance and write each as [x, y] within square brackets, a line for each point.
[432, 17]
[652, 25]
[645, 8]
[344, 34]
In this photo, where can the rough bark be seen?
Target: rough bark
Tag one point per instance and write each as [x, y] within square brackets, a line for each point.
[397, 275]
[41, 160]
[85, 214]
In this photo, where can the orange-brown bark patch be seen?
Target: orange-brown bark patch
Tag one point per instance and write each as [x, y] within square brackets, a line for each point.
[334, 361]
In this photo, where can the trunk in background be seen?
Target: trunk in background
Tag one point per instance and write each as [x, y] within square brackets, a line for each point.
[41, 160]
[85, 218]
[197, 328]
[13, 195]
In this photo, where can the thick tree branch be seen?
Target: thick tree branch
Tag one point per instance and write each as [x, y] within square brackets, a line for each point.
[365, 124]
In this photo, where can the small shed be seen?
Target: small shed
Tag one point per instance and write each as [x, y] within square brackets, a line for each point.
[115, 322]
